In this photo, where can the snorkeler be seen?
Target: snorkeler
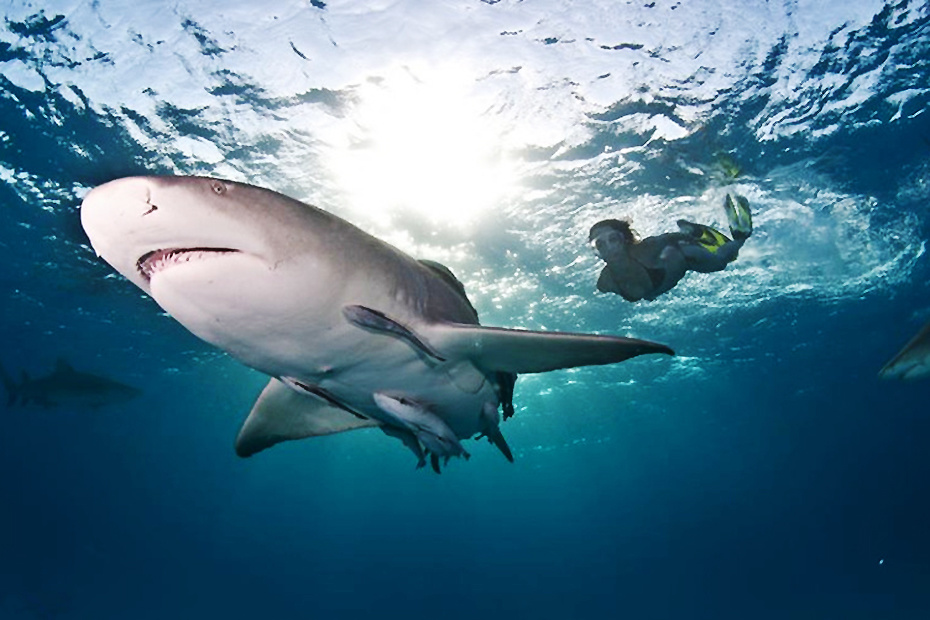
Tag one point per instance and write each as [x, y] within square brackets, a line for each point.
[645, 269]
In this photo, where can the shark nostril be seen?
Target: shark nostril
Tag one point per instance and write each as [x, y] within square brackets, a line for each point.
[153, 209]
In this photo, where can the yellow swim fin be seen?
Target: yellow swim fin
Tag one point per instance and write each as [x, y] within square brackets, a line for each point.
[739, 216]
[708, 237]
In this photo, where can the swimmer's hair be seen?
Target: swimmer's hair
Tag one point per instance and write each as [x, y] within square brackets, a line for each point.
[621, 226]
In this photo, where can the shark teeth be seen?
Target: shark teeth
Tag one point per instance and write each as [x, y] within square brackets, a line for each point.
[151, 263]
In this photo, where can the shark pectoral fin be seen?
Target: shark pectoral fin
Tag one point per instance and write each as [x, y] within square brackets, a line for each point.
[379, 322]
[521, 351]
[282, 414]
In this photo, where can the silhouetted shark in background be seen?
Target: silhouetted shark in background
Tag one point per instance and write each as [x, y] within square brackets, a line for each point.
[66, 387]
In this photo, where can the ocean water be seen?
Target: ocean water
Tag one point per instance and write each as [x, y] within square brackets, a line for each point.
[764, 472]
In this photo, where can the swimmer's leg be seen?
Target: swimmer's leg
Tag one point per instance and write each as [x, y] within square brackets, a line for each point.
[706, 249]
[702, 260]
[710, 249]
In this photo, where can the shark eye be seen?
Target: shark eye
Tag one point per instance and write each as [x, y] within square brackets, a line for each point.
[218, 187]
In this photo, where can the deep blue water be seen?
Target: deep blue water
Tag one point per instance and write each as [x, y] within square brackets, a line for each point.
[765, 472]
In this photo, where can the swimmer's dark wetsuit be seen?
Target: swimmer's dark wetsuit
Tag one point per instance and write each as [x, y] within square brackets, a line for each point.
[655, 274]
[649, 247]
[656, 277]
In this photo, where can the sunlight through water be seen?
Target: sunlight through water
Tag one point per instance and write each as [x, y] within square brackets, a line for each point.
[422, 141]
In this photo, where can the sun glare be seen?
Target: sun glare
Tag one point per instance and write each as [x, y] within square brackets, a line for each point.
[422, 142]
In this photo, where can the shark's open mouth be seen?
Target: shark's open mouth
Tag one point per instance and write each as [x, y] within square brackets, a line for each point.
[151, 263]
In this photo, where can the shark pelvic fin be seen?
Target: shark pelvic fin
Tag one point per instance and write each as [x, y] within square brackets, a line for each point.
[521, 351]
[281, 414]
[379, 322]
[495, 436]
[493, 432]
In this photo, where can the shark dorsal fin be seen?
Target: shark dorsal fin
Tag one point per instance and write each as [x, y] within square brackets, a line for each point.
[445, 274]
[62, 365]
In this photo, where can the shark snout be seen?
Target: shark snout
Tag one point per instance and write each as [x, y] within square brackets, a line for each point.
[106, 208]
[121, 191]
[112, 216]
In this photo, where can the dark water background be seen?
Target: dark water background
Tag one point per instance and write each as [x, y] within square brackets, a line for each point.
[764, 473]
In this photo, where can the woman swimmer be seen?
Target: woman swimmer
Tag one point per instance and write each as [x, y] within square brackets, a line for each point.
[644, 269]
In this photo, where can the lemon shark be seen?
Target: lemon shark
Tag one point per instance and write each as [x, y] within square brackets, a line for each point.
[911, 362]
[353, 332]
[66, 387]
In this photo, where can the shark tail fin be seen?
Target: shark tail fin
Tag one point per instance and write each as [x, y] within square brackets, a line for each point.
[12, 389]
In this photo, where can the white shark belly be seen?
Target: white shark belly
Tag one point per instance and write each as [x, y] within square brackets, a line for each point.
[321, 350]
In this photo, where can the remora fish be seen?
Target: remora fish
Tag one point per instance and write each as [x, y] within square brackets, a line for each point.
[911, 362]
[67, 387]
[353, 332]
